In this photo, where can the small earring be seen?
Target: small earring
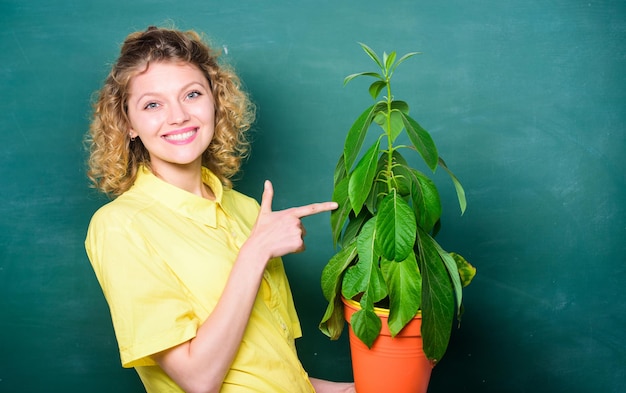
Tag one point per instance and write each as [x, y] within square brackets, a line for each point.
[132, 138]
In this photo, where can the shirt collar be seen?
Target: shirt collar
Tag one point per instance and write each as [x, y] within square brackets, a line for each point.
[181, 201]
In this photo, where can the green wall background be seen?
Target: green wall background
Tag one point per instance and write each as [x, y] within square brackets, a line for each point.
[525, 99]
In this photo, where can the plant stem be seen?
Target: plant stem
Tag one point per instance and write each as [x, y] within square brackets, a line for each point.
[389, 140]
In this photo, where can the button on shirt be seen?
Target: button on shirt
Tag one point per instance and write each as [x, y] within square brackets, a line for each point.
[162, 257]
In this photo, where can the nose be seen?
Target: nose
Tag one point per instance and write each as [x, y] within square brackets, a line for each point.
[177, 113]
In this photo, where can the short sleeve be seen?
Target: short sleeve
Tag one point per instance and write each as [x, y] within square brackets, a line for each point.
[149, 309]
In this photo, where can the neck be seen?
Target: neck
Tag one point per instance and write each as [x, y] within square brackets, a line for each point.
[186, 177]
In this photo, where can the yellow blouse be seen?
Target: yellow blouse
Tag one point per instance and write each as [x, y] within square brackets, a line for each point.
[162, 257]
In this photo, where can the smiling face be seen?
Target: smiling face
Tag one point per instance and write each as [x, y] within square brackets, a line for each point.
[172, 110]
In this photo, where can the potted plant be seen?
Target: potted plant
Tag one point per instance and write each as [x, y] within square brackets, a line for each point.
[385, 227]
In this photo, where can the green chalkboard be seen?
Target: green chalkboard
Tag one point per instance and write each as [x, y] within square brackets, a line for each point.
[525, 99]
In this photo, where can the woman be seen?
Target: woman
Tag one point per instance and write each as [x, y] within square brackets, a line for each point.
[190, 268]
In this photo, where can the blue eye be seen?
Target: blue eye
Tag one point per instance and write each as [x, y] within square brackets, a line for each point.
[194, 94]
[151, 105]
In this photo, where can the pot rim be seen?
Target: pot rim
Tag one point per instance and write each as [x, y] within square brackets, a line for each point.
[378, 310]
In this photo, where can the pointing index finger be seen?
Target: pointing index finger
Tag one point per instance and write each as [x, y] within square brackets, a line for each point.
[314, 208]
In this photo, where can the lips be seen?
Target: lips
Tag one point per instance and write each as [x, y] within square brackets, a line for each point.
[181, 137]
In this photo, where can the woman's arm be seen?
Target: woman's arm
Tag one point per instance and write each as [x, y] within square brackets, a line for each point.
[323, 386]
[201, 364]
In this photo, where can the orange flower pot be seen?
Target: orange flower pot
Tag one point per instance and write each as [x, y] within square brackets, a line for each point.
[393, 364]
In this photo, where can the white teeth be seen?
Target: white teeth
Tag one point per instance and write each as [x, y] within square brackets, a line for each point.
[180, 137]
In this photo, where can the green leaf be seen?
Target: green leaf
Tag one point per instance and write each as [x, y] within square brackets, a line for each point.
[405, 291]
[437, 299]
[460, 192]
[366, 325]
[422, 141]
[380, 119]
[453, 272]
[396, 125]
[389, 60]
[379, 189]
[352, 76]
[426, 201]
[339, 216]
[400, 106]
[403, 58]
[333, 271]
[332, 322]
[376, 87]
[395, 228]
[365, 277]
[355, 223]
[340, 171]
[362, 177]
[372, 55]
[356, 134]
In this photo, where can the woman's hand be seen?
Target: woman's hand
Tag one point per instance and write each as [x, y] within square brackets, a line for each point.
[279, 233]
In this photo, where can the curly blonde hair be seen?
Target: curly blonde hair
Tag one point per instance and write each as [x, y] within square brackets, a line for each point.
[114, 158]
